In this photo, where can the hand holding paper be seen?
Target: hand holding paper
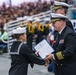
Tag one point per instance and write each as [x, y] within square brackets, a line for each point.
[46, 62]
[43, 48]
[36, 53]
[49, 57]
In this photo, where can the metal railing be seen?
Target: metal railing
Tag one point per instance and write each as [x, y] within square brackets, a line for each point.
[14, 24]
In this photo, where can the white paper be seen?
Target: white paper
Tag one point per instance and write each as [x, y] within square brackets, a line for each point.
[43, 48]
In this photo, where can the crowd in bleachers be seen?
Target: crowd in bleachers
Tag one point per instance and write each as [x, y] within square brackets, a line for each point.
[24, 9]
[13, 12]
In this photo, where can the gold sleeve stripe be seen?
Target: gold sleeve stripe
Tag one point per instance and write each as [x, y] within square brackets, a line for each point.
[59, 55]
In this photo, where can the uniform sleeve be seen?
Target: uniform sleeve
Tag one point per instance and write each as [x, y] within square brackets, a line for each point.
[70, 45]
[28, 53]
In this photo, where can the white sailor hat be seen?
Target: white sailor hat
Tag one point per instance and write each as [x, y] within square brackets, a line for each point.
[47, 19]
[58, 5]
[25, 17]
[37, 20]
[56, 17]
[19, 30]
[30, 19]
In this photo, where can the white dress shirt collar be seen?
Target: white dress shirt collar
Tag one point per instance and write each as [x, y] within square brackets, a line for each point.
[61, 30]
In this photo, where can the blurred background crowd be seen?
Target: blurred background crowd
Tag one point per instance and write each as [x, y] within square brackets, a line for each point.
[13, 11]
[23, 9]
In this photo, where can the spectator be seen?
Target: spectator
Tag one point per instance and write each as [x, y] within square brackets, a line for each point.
[3, 39]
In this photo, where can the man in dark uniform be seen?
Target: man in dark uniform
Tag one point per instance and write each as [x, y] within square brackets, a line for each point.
[62, 8]
[39, 31]
[30, 32]
[22, 55]
[64, 55]
[46, 28]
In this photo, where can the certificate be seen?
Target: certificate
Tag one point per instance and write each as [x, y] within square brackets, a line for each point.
[43, 48]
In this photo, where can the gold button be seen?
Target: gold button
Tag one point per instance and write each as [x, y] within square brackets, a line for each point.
[57, 64]
[63, 55]
[61, 64]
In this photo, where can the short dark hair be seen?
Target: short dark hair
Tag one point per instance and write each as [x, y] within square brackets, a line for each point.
[16, 36]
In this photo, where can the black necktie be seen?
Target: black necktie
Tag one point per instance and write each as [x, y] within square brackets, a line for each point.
[58, 36]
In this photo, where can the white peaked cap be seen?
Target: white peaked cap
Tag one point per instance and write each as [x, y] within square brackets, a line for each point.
[19, 30]
[61, 4]
[53, 15]
[47, 19]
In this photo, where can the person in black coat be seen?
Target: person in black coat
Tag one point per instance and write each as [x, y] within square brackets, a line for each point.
[30, 32]
[64, 56]
[22, 55]
[62, 8]
[39, 31]
[47, 28]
